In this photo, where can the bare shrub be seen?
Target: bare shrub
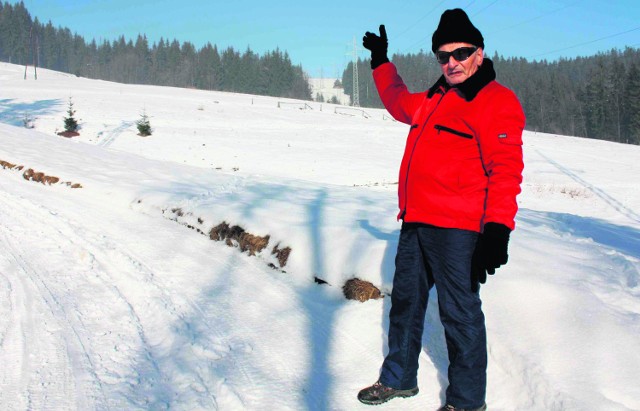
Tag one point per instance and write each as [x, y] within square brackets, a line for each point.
[360, 290]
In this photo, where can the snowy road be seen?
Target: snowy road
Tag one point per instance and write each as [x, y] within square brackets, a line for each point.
[88, 324]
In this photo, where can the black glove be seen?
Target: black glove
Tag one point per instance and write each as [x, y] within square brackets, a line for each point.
[490, 253]
[378, 46]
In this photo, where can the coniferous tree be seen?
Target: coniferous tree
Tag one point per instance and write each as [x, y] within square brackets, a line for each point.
[165, 63]
[615, 84]
[583, 96]
[633, 101]
[143, 125]
[70, 122]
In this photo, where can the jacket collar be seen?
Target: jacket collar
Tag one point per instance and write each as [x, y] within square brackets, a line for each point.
[470, 88]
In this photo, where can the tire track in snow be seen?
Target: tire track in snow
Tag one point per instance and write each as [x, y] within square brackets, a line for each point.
[59, 229]
[145, 277]
[6, 304]
[110, 260]
[114, 133]
[47, 370]
[617, 205]
[13, 347]
[186, 324]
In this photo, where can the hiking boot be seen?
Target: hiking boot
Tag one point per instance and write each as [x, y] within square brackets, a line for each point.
[452, 408]
[379, 393]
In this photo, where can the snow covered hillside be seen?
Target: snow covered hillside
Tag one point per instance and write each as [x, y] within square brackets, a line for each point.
[324, 87]
[113, 296]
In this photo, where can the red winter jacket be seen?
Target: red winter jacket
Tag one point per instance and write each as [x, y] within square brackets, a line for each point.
[462, 164]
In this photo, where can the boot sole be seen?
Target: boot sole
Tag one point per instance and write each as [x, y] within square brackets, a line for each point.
[397, 394]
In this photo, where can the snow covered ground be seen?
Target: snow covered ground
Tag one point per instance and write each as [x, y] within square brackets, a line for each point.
[112, 298]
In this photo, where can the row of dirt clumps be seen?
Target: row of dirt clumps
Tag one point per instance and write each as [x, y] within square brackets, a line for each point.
[238, 237]
[37, 176]
[234, 236]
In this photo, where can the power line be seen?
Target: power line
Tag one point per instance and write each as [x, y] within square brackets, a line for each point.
[588, 42]
[420, 19]
[533, 19]
[481, 10]
[406, 5]
[422, 40]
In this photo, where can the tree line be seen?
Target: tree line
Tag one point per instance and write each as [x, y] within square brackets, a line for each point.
[167, 63]
[594, 97]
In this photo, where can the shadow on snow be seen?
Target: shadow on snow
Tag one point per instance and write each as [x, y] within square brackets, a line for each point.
[321, 310]
[14, 113]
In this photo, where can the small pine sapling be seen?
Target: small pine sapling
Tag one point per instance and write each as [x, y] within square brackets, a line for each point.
[70, 123]
[143, 125]
[28, 121]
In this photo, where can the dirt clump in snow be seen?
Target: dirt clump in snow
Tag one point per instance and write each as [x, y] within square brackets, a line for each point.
[39, 177]
[360, 290]
[236, 236]
[69, 134]
[282, 254]
[10, 166]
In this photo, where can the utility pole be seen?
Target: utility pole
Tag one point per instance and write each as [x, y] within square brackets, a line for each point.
[356, 91]
[34, 54]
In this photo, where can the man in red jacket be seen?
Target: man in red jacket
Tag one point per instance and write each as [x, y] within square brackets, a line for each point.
[459, 178]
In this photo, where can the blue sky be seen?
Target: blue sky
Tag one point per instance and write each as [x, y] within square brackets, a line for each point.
[319, 34]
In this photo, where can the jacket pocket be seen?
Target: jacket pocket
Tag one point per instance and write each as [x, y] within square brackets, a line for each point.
[452, 131]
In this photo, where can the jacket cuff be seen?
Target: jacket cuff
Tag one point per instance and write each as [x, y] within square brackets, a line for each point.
[496, 230]
[378, 61]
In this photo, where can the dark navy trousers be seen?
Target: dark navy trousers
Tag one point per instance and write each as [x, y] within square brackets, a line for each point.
[429, 255]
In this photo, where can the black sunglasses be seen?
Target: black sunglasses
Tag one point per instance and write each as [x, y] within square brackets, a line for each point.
[460, 54]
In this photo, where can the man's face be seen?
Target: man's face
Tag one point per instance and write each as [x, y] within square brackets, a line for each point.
[455, 72]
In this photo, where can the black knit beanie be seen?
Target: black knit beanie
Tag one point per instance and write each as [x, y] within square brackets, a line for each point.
[455, 27]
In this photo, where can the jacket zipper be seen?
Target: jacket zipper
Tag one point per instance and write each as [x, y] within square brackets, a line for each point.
[413, 149]
[452, 131]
